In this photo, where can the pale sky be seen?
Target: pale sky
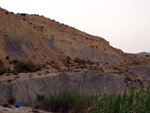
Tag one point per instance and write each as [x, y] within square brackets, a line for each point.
[124, 23]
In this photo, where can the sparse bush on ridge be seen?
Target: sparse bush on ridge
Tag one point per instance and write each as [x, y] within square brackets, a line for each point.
[90, 62]
[10, 62]
[68, 62]
[56, 66]
[7, 12]
[68, 58]
[15, 61]
[52, 62]
[76, 63]
[82, 61]
[7, 57]
[79, 61]
[23, 14]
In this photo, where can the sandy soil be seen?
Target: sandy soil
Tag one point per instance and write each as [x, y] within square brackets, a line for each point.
[20, 110]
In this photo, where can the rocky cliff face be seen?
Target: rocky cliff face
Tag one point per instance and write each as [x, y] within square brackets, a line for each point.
[25, 90]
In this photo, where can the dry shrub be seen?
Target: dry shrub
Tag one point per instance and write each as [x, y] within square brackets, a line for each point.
[29, 66]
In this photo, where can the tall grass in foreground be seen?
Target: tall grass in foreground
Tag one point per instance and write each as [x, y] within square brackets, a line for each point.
[130, 101]
[68, 101]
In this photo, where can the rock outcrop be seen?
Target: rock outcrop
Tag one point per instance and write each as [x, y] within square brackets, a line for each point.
[25, 90]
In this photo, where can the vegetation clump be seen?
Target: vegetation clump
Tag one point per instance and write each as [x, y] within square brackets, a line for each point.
[3, 69]
[7, 57]
[82, 61]
[130, 101]
[54, 65]
[68, 62]
[6, 105]
[20, 66]
[68, 101]
[40, 97]
[90, 62]
[79, 61]
[11, 100]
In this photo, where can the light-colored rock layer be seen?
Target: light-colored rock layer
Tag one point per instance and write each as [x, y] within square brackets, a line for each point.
[25, 90]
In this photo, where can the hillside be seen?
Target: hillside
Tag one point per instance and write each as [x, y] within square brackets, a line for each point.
[42, 40]
[34, 47]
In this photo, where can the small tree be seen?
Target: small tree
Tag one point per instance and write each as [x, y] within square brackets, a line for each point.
[7, 57]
